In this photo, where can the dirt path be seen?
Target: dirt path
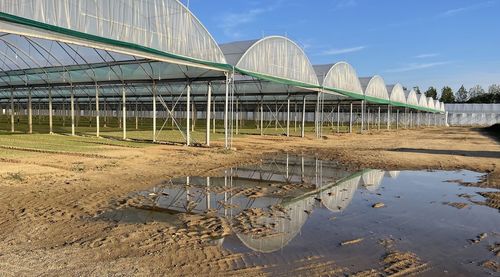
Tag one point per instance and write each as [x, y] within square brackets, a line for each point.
[49, 201]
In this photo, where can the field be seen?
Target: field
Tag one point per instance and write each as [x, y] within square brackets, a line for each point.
[54, 187]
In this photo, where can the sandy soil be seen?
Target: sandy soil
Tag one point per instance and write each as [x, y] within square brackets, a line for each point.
[50, 202]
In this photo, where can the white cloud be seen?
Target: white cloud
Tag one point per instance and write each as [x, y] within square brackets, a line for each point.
[427, 55]
[231, 21]
[452, 12]
[336, 51]
[417, 66]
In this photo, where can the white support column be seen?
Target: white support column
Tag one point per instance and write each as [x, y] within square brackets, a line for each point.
[303, 129]
[295, 117]
[30, 113]
[105, 107]
[378, 119]
[338, 118]
[350, 119]
[124, 112]
[397, 119]
[317, 115]
[288, 117]
[237, 116]
[97, 113]
[72, 103]
[50, 111]
[362, 115]
[388, 117]
[188, 115]
[261, 116]
[214, 117]
[209, 105]
[226, 114]
[12, 113]
[136, 113]
[208, 190]
[154, 112]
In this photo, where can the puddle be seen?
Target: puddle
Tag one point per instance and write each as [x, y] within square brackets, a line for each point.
[288, 211]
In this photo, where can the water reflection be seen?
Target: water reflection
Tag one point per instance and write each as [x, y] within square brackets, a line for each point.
[294, 185]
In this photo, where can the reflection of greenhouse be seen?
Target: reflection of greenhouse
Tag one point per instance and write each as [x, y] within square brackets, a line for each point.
[106, 68]
[328, 186]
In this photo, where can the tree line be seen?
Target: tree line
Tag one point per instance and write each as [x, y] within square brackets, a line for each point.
[475, 94]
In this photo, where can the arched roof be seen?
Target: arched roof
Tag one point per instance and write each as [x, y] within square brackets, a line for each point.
[372, 179]
[397, 94]
[287, 227]
[437, 105]
[392, 174]
[411, 98]
[374, 88]
[430, 103]
[422, 100]
[154, 28]
[338, 197]
[340, 77]
[273, 57]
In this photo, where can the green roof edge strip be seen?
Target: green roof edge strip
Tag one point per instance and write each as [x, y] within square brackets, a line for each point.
[347, 93]
[276, 79]
[60, 30]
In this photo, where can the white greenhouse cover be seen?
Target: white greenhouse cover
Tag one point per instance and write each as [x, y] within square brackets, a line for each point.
[397, 93]
[412, 99]
[339, 76]
[430, 103]
[163, 25]
[274, 56]
[375, 87]
[422, 100]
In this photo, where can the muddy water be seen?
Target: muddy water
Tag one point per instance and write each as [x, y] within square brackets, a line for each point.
[288, 212]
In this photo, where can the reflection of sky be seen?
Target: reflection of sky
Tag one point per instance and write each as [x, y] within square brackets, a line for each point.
[331, 186]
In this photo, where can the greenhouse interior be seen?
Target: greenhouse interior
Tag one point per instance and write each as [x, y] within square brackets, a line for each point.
[150, 71]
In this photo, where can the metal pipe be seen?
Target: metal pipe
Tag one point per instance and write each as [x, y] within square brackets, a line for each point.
[12, 120]
[302, 131]
[50, 111]
[288, 117]
[188, 115]
[154, 111]
[124, 112]
[97, 125]
[30, 113]
[72, 103]
[350, 119]
[209, 99]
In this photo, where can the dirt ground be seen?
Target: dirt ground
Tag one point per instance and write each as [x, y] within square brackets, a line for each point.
[50, 202]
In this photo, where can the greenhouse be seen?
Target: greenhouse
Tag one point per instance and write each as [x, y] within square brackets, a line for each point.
[107, 69]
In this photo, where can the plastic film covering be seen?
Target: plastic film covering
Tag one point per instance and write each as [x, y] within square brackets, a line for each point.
[397, 94]
[372, 179]
[286, 227]
[411, 98]
[437, 105]
[338, 197]
[375, 89]
[340, 77]
[473, 114]
[430, 103]
[443, 107]
[278, 57]
[164, 25]
[422, 100]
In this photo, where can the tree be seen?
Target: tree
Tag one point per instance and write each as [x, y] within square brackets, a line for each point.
[417, 90]
[462, 96]
[494, 89]
[447, 95]
[475, 91]
[431, 92]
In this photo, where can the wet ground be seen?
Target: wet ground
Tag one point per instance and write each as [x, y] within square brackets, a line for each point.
[290, 211]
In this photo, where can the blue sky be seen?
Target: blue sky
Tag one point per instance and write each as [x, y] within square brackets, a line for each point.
[414, 42]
